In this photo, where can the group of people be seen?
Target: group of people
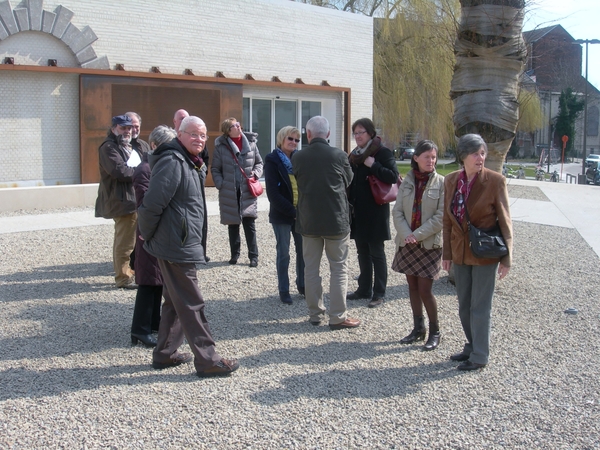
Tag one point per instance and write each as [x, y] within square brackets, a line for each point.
[322, 198]
[319, 196]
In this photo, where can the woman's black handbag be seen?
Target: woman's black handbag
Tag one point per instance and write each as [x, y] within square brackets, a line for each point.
[486, 243]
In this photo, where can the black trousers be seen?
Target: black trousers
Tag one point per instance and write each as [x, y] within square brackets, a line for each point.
[235, 240]
[371, 260]
[146, 312]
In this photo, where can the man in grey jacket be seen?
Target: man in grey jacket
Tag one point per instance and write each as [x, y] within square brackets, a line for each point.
[323, 174]
[170, 221]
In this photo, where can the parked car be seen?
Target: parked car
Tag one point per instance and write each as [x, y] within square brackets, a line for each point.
[404, 153]
[592, 174]
[591, 159]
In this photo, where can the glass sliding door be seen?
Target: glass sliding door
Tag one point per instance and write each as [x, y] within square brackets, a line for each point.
[246, 114]
[286, 114]
[262, 124]
[309, 109]
[266, 117]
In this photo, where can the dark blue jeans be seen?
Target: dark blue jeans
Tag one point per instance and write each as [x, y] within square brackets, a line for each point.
[282, 238]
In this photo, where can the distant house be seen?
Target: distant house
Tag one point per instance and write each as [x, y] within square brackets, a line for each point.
[554, 63]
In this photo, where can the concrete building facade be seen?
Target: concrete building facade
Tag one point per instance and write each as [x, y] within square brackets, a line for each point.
[68, 66]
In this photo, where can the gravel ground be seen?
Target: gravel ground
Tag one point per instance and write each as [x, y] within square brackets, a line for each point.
[70, 378]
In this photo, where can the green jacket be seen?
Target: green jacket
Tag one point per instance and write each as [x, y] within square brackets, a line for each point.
[323, 174]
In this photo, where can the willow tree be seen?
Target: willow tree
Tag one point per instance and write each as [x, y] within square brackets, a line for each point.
[413, 64]
[413, 60]
[490, 53]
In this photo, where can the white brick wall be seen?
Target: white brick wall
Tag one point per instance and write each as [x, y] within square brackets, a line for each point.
[265, 38]
[39, 124]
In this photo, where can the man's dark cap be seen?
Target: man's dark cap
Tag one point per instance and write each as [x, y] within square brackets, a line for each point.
[124, 121]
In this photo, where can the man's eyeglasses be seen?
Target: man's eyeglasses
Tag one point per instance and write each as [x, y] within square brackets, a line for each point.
[235, 125]
[358, 133]
[197, 136]
[289, 138]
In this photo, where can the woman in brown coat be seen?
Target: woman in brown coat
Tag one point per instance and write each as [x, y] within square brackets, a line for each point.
[482, 194]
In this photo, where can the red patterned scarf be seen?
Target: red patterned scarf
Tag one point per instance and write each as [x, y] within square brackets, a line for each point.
[421, 180]
[463, 189]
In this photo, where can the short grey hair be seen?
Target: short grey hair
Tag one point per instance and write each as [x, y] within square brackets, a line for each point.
[131, 113]
[189, 120]
[162, 134]
[318, 126]
[469, 144]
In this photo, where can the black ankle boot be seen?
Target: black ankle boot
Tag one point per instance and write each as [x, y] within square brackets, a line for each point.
[434, 337]
[147, 339]
[433, 341]
[418, 332]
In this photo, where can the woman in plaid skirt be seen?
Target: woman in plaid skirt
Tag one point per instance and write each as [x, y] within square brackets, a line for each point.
[418, 220]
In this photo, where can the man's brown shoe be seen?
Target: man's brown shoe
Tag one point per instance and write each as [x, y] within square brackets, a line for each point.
[348, 323]
[223, 367]
[176, 360]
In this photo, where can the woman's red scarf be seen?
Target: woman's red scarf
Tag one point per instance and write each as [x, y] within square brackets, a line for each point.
[421, 180]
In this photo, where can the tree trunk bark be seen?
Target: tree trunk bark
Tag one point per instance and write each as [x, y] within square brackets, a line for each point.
[490, 53]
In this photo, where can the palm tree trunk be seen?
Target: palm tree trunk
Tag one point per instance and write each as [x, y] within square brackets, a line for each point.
[490, 53]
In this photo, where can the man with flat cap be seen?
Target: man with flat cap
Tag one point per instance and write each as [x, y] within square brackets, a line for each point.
[116, 197]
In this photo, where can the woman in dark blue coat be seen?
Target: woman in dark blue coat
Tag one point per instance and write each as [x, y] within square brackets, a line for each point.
[370, 226]
[283, 197]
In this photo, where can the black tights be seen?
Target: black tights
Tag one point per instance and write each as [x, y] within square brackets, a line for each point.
[419, 291]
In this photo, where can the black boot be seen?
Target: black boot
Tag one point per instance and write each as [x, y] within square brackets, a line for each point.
[434, 337]
[147, 339]
[418, 332]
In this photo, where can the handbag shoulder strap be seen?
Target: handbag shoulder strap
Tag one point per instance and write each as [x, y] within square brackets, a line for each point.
[236, 160]
[467, 215]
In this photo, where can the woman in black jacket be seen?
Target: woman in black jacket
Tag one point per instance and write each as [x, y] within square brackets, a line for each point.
[146, 312]
[370, 226]
[283, 197]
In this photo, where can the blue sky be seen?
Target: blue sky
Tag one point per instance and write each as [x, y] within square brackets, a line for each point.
[581, 18]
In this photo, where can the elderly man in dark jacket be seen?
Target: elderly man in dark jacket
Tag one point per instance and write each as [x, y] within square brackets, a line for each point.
[323, 174]
[116, 198]
[170, 221]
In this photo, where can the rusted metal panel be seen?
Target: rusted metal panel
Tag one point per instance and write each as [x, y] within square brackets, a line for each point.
[156, 101]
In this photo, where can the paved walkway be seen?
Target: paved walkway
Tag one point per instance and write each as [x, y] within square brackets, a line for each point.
[570, 206]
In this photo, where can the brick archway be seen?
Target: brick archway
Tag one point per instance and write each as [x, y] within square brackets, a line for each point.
[33, 17]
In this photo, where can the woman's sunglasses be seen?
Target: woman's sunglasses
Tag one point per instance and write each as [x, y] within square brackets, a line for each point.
[289, 138]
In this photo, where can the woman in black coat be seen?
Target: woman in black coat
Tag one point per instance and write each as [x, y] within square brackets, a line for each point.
[146, 312]
[370, 226]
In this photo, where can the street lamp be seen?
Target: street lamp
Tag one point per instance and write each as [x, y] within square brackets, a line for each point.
[585, 99]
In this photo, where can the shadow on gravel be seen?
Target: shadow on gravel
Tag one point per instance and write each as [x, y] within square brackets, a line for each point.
[356, 383]
[26, 383]
[325, 354]
[59, 330]
[53, 282]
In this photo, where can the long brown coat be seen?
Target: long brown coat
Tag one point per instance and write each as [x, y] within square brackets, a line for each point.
[487, 202]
